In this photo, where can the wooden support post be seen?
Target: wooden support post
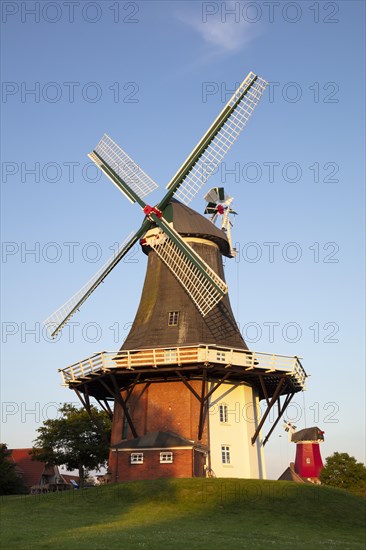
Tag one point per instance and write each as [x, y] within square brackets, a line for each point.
[87, 399]
[147, 384]
[264, 389]
[132, 387]
[106, 408]
[271, 403]
[117, 395]
[202, 407]
[188, 385]
[83, 402]
[217, 385]
[109, 410]
[280, 413]
[124, 406]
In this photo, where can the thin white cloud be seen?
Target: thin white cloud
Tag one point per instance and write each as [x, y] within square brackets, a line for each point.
[225, 36]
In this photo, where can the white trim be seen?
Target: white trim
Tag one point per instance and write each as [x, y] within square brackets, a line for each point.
[138, 456]
[169, 457]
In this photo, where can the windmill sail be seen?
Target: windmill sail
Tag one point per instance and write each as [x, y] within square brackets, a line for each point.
[61, 316]
[210, 151]
[123, 165]
[202, 284]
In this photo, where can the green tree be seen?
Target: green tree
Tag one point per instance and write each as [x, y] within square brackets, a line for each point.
[10, 481]
[75, 439]
[343, 471]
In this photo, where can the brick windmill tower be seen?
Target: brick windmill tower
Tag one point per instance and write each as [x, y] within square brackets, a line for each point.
[184, 389]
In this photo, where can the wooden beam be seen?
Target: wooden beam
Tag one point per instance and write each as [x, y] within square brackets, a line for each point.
[269, 407]
[208, 395]
[131, 388]
[105, 408]
[264, 389]
[117, 395]
[280, 413]
[147, 384]
[83, 402]
[124, 406]
[188, 385]
[108, 407]
[87, 399]
[202, 407]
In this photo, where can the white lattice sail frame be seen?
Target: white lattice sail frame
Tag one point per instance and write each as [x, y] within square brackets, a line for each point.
[128, 170]
[213, 155]
[61, 316]
[204, 295]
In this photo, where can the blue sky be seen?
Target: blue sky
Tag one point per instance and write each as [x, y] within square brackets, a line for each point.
[154, 75]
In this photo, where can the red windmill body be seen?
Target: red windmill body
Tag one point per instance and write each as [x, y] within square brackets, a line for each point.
[308, 461]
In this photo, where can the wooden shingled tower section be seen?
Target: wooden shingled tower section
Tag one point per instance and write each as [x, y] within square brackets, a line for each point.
[155, 325]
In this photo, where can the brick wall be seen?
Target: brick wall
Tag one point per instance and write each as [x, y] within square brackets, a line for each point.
[123, 470]
[167, 406]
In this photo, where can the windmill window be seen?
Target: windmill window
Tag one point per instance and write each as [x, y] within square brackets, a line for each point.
[225, 454]
[166, 457]
[223, 413]
[137, 458]
[173, 318]
[220, 356]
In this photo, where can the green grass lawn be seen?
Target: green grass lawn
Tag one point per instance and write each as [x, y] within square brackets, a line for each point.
[186, 513]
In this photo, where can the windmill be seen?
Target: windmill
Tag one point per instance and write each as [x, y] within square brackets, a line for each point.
[184, 363]
[219, 206]
[308, 462]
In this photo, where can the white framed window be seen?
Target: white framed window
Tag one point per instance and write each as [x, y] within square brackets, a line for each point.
[223, 413]
[137, 458]
[225, 454]
[170, 355]
[173, 318]
[166, 457]
[220, 356]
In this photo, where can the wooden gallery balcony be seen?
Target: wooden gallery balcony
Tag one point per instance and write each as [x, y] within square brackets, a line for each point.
[263, 370]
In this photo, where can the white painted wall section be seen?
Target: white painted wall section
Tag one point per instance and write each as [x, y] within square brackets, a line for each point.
[246, 460]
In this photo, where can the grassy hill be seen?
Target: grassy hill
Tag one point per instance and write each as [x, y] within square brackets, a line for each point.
[181, 513]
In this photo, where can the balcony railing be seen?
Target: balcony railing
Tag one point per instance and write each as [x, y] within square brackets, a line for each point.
[107, 361]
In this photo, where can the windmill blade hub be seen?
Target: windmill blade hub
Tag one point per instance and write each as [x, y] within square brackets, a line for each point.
[148, 210]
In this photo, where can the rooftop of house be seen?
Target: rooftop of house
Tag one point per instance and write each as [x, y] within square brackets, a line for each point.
[156, 440]
[30, 470]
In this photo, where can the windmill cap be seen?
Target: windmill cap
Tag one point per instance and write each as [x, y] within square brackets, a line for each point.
[189, 223]
[308, 434]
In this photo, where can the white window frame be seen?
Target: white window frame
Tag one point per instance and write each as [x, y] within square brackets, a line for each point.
[173, 318]
[137, 458]
[223, 413]
[220, 356]
[225, 454]
[166, 457]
